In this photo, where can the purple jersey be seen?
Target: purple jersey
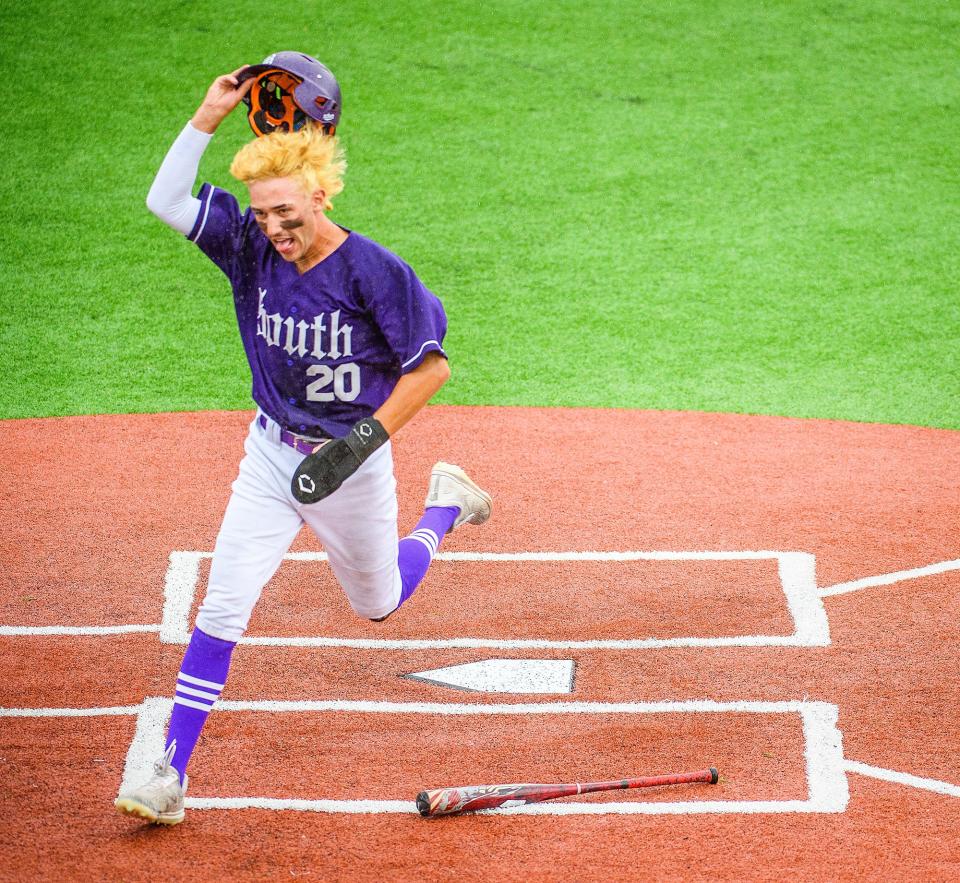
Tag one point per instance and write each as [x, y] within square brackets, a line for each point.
[325, 348]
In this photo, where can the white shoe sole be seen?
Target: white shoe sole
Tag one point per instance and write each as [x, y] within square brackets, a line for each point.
[131, 807]
[458, 476]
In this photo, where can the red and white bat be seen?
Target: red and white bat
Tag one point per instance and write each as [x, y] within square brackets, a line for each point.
[469, 798]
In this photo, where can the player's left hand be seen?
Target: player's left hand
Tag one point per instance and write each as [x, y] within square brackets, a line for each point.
[323, 471]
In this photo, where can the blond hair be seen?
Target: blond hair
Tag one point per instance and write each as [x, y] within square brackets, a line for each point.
[310, 157]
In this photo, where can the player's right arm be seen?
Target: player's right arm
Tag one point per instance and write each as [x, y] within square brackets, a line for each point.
[171, 198]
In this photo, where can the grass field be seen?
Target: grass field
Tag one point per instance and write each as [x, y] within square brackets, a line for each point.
[693, 205]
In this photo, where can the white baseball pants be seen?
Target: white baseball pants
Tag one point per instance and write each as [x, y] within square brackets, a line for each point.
[357, 526]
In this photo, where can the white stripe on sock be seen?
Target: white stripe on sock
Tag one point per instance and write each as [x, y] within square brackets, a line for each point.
[213, 697]
[423, 542]
[425, 537]
[190, 679]
[428, 535]
[179, 700]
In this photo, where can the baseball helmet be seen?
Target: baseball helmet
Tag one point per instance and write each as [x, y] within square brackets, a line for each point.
[290, 89]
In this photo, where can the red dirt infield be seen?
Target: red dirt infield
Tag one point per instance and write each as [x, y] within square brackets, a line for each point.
[682, 660]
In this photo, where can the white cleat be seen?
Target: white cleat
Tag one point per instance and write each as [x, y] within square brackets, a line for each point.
[451, 486]
[161, 799]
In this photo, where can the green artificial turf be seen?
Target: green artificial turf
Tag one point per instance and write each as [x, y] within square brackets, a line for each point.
[724, 206]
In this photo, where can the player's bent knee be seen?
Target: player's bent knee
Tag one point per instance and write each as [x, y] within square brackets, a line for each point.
[373, 595]
[223, 620]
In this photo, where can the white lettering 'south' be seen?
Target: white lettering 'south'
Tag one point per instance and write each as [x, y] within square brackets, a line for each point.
[298, 337]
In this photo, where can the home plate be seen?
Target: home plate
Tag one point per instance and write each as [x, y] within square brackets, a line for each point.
[503, 676]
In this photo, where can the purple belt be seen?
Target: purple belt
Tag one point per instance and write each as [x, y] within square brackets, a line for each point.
[297, 442]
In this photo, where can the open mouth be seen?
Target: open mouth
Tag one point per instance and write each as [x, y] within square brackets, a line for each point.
[284, 245]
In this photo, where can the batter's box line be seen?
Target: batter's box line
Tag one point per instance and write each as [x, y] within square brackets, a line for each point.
[805, 604]
[796, 571]
[152, 716]
[827, 789]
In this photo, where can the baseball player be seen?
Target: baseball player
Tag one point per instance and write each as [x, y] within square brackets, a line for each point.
[345, 346]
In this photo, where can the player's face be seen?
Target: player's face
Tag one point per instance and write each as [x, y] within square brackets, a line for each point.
[286, 214]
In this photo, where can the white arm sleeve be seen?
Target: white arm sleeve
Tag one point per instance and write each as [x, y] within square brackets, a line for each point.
[170, 197]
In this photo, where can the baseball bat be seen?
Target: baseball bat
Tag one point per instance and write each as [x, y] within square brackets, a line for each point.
[469, 798]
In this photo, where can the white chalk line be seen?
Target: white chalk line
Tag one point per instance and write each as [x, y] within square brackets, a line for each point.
[183, 576]
[667, 706]
[828, 788]
[148, 741]
[10, 631]
[795, 569]
[935, 785]
[523, 643]
[826, 780]
[887, 579]
[280, 804]
[745, 555]
[570, 808]
[796, 572]
[71, 712]
[372, 706]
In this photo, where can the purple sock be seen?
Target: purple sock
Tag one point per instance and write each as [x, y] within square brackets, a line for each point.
[417, 549]
[202, 677]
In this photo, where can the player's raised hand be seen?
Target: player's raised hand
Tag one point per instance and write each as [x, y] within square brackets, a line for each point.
[224, 94]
